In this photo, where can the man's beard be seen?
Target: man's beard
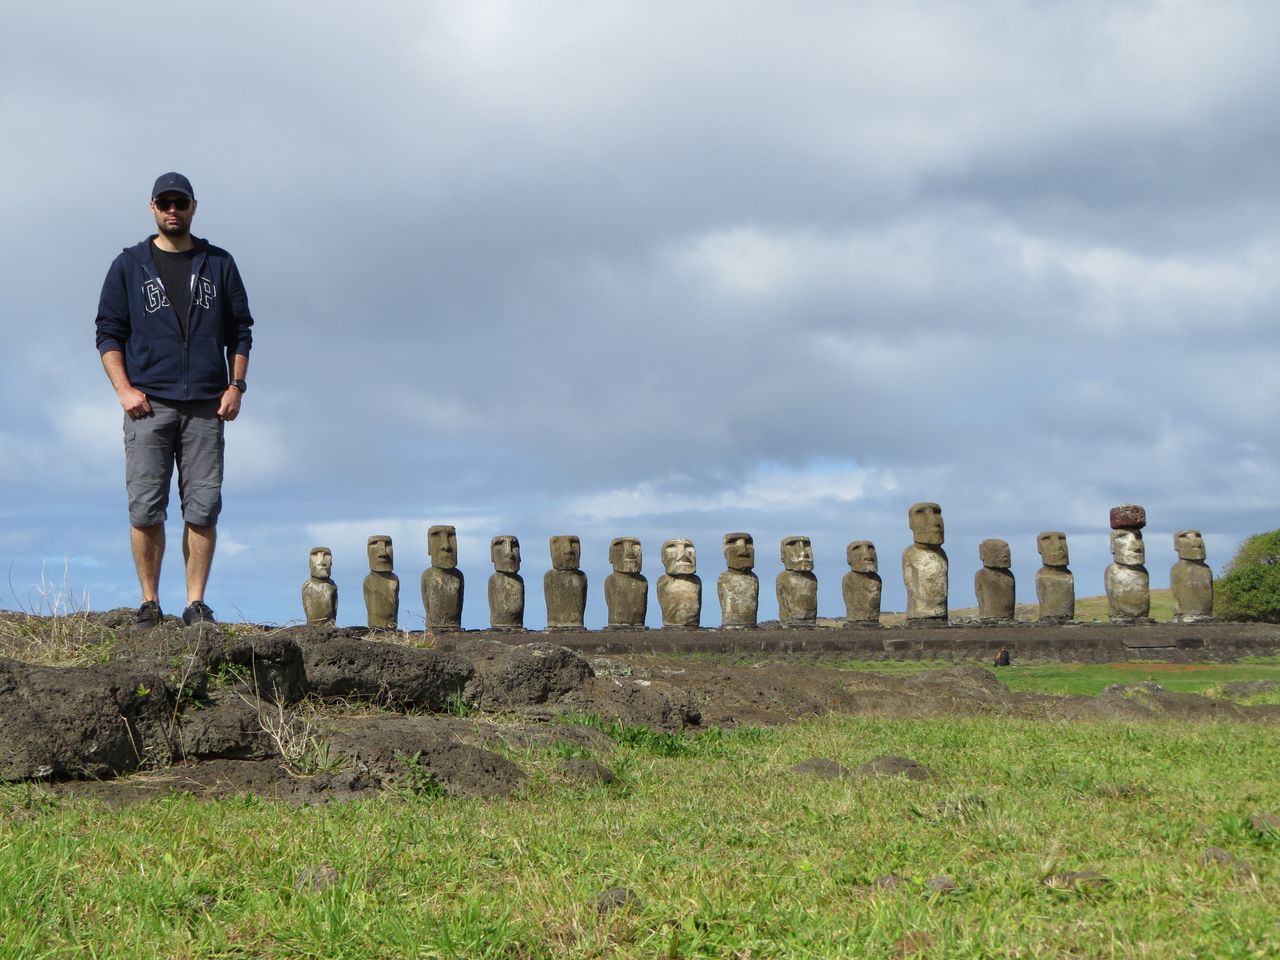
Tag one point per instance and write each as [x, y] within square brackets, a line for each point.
[180, 230]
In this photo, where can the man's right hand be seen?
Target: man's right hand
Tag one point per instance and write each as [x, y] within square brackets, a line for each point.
[134, 401]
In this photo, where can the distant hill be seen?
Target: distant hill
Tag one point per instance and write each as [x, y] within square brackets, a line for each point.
[1087, 608]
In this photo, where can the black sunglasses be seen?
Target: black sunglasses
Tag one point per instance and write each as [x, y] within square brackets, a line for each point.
[178, 203]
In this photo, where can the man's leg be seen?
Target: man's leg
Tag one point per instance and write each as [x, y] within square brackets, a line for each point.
[148, 552]
[197, 550]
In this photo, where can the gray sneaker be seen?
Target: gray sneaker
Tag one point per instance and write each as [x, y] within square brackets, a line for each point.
[197, 612]
[148, 615]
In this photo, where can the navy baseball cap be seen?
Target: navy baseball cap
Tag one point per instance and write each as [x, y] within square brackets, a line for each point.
[172, 183]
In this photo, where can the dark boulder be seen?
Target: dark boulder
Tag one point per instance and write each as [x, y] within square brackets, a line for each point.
[340, 665]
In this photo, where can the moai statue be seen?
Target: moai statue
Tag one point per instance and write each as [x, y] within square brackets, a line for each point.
[1055, 584]
[442, 582]
[861, 585]
[506, 586]
[1128, 586]
[626, 591]
[320, 593]
[381, 586]
[924, 566]
[994, 583]
[1191, 579]
[738, 587]
[797, 586]
[564, 585]
[680, 588]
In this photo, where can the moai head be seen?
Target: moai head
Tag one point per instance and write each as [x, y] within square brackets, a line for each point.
[442, 544]
[380, 555]
[797, 553]
[504, 550]
[679, 557]
[624, 554]
[321, 563]
[926, 523]
[1127, 547]
[995, 554]
[739, 551]
[861, 555]
[566, 552]
[1052, 545]
[1189, 544]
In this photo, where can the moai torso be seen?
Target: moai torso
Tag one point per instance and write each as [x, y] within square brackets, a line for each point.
[861, 586]
[506, 586]
[680, 588]
[738, 588]
[565, 586]
[1055, 585]
[797, 586]
[994, 583]
[443, 585]
[1128, 585]
[924, 565]
[381, 586]
[1191, 579]
[626, 591]
[320, 593]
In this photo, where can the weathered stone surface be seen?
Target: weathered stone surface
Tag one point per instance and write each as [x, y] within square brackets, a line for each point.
[680, 588]
[565, 585]
[320, 593]
[1128, 516]
[1127, 583]
[229, 727]
[1128, 592]
[861, 586]
[266, 666]
[656, 704]
[924, 564]
[407, 751]
[1055, 584]
[994, 583]
[626, 590]
[796, 585]
[382, 586]
[99, 721]
[339, 665]
[509, 676]
[443, 585]
[1191, 579]
[738, 588]
[616, 898]
[506, 586]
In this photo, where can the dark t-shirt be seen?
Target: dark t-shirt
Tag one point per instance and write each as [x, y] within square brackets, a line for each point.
[175, 274]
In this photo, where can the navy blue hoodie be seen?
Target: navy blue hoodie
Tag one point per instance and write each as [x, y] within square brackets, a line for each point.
[135, 317]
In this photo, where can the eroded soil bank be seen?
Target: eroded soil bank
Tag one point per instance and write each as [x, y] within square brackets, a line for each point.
[309, 713]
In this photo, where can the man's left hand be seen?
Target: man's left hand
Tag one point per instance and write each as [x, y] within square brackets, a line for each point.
[229, 408]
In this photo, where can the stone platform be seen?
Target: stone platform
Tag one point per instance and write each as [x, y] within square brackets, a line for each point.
[960, 642]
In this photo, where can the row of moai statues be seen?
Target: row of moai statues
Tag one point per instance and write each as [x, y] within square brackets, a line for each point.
[679, 589]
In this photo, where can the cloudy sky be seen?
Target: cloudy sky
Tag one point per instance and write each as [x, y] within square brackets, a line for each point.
[657, 269]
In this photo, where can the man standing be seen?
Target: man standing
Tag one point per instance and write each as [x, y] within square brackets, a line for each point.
[173, 315]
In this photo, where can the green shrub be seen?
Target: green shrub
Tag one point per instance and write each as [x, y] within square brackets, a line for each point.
[1249, 588]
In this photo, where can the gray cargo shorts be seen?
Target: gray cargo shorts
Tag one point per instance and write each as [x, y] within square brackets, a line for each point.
[185, 432]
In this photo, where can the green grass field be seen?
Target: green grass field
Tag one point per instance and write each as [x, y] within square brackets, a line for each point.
[730, 853]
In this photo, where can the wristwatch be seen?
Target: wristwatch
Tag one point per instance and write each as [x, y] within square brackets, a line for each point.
[239, 385]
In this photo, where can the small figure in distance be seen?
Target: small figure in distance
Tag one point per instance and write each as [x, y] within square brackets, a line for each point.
[1002, 658]
[796, 585]
[564, 586]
